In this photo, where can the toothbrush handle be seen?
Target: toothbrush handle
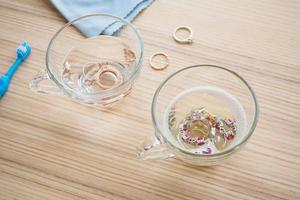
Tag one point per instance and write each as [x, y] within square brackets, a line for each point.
[13, 68]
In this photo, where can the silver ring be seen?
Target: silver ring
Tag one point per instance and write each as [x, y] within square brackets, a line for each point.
[198, 115]
[187, 40]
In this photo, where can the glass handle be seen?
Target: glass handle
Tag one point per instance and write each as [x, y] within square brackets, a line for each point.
[36, 85]
[153, 148]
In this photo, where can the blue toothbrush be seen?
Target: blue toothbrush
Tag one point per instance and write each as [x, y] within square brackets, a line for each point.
[23, 52]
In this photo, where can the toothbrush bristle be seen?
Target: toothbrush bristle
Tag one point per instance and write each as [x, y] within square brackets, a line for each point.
[23, 50]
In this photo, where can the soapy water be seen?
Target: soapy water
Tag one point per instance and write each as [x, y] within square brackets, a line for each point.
[215, 101]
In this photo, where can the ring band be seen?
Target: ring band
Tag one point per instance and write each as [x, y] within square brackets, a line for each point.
[96, 77]
[162, 66]
[188, 39]
[115, 72]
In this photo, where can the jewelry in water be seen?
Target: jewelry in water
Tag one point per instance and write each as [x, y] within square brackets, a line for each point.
[204, 120]
[90, 68]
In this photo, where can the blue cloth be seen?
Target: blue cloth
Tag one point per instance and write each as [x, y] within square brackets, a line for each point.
[126, 9]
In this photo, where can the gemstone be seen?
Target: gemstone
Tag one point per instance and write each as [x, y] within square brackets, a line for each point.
[207, 150]
[220, 142]
[198, 129]
[229, 135]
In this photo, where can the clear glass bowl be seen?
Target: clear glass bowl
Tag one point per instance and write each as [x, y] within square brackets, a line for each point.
[161, 145]
[93, 69]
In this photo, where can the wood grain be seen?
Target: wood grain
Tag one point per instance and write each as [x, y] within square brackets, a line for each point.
[52, 148]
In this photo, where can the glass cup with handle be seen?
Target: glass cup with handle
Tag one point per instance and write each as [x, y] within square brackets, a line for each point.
[96, 69]
[217, 93]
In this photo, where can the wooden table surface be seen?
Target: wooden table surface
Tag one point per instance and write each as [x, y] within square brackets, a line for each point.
[53, 148]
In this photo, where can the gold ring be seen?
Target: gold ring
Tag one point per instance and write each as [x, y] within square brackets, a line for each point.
[102, 68]
[162, 66]
[106, 69]
[188, 39]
